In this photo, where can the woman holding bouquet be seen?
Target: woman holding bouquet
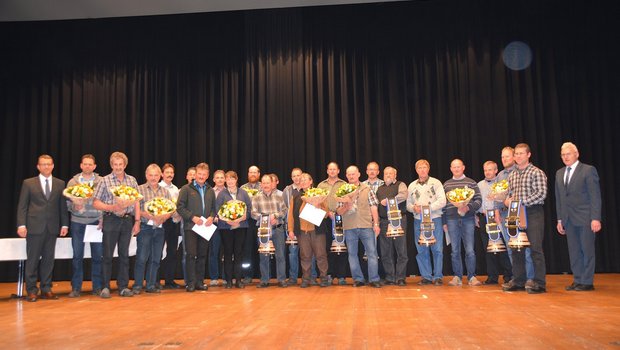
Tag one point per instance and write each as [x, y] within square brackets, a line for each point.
[311, 241]
[233, 205]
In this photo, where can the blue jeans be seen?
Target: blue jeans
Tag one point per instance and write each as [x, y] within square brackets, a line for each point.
[214, 255]
[96, 251]
[277, 236]
[462, 229]
[424, 253]
[293, 261]
[367, 237]
[150, 242]
[529, 264]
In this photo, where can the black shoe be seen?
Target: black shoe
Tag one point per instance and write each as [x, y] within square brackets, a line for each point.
[536, 290]
[324, 283]
[239, 284]
[190, 289]
[584, 287]
[228, 286]
[304, 284]
[389, 283]
[573, 286]
[202, 287]
[401, 283]
[375, 284]
[153, 290]
[512, 287]
[358, 284]
[282, 284]
[489, 282]
[247, 280]
[262, 285]
[425, 282]
[172, 285]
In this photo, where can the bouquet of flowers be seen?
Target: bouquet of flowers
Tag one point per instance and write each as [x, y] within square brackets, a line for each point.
[346, 192]
[315, 196]
[232, 212]
[125, 195]
[251, 192]
[160, 208]
[460, 197]
[499, 191]
[79, 194]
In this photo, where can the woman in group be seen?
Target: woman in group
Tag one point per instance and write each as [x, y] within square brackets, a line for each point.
[233, 232]
[310, 241]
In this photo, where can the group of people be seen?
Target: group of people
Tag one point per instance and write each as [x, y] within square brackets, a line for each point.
[366, 217]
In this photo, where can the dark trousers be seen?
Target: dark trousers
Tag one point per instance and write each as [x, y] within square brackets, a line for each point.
[40, 245]
[535, 234]
[394, 270]
[338, 264]
[312, 243]
[196, 258]
[233, 242]
[116, 231]
[581, 251]
[169, 264]
[250, 253]
[494, 261]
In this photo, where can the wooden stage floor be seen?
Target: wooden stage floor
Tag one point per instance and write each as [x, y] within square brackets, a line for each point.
[337, 317]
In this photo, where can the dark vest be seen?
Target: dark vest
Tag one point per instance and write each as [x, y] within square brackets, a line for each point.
[390, 191]
[297, 202]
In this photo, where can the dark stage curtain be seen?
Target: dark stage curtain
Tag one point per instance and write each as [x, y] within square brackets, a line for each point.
[282, 88]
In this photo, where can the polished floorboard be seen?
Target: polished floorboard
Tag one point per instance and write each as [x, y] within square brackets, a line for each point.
[337, 317]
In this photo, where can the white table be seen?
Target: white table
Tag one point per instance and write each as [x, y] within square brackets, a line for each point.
[14, 249]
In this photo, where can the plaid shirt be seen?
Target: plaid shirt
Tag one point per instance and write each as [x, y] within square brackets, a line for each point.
[148, 193]
[528, 185]
[375, 185]
[102, 191]
[263, 204]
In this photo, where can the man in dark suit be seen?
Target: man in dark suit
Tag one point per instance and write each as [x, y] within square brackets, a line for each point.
[41, 215]
[578, 207]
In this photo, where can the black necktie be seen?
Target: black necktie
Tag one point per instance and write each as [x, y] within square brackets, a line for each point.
[567, 177]
[47, 189]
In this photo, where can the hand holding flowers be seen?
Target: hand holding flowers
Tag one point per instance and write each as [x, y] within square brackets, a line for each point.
[232, 212]
[159, 210]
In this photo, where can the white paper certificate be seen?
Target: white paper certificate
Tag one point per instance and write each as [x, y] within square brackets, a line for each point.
[312, 214]
[93, 234]
[204, 231]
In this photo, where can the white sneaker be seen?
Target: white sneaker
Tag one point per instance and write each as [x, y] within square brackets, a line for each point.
[105, 293]
[456, 281]
[474, 282]
[214, 283]
[529, 284]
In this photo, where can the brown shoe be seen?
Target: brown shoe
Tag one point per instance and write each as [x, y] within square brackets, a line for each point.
[49, 296]
[32, 297]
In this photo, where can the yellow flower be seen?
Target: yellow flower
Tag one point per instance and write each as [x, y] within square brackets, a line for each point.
[83, 190]
[126, 193]
[315, 192]
[460, 194]
[345, 189]
[232, 210]
[251, 192]
[160, 206]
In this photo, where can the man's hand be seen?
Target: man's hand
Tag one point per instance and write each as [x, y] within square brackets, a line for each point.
[64, 231]
[136, 228]
[596, 226]
[197, 221]
[560, 229]
[22, 231]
